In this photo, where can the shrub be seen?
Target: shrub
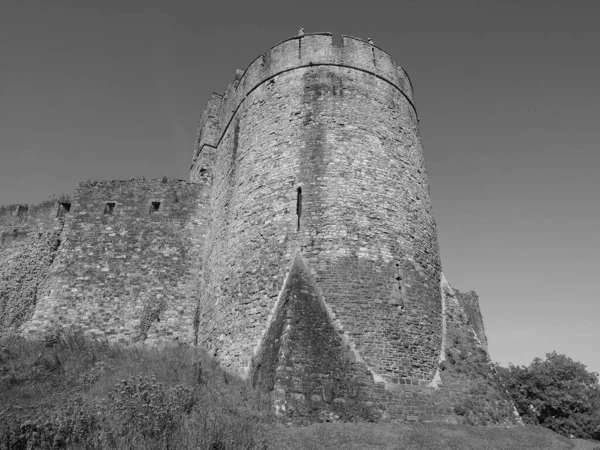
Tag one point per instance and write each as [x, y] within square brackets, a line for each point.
[557, 393]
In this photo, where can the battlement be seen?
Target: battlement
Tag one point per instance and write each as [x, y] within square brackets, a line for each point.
[310, 49]
[40, 216]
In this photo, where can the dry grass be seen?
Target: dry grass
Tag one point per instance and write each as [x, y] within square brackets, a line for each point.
[79, 393]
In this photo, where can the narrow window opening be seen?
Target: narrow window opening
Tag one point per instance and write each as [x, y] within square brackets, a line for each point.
[109, 208]
[398, 293]
[299, 206]
[65, 206]
[154, 207]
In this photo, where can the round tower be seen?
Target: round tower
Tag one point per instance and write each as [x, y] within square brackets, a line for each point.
[318, 175]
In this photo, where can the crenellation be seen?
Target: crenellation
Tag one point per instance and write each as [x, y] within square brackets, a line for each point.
[297, 52]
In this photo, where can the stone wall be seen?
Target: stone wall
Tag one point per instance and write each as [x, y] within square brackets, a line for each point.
[470, 304]
[466, 367]
[19, 220]
[129, 262]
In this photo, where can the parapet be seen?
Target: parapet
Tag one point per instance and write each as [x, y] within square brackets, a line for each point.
[311, 49]
[154, 199]
[40, 216]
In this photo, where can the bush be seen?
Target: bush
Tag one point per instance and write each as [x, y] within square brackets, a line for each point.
[557, 393]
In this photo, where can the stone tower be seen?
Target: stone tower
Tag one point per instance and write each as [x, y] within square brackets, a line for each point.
[321, 264]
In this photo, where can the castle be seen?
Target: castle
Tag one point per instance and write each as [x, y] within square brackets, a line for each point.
[302, 253]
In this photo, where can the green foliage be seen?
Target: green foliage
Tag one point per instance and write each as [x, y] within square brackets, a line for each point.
[487, 402]
[66, 391]
[486, 406]
[464, 355]
[21, 273]
[558, 393]
[151, 409]
[153, 308]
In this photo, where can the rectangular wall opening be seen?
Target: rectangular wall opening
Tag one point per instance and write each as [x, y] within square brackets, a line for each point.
[63, 208]
[21, 210]
[109, 208]
[154, 207]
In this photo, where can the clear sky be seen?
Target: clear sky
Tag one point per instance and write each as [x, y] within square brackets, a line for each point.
[508, 93]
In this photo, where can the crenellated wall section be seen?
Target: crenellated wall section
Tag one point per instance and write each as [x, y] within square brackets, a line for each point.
[19, 221]
[312, 49]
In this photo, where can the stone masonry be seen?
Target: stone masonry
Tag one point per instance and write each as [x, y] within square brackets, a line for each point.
[302, 254]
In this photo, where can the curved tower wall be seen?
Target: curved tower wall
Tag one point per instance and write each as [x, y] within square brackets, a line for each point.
[339, 125]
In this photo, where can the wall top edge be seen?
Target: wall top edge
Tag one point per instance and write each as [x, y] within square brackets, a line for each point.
[302, 51]
[349, 53]
[365, 41]
[144, 181]
[14, 206]
[300, 36]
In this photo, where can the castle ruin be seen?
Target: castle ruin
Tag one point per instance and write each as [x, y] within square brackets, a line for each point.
[302, 253]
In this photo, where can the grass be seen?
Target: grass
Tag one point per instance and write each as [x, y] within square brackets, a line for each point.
[72, 392]
[423, 436]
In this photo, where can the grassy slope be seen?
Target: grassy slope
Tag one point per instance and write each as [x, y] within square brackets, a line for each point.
[418, 436]
[75, 393]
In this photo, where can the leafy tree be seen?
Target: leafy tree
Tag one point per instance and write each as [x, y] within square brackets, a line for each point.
[557, 393]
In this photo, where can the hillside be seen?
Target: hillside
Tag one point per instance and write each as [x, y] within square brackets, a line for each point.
[71, 392]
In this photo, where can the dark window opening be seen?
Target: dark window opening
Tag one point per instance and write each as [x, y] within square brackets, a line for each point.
[21, 210]
[109, 208]
[299, 206]
[154, 207]
[63, 208]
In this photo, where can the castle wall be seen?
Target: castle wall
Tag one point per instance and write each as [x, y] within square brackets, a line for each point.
[466, 388]
[126, 269]
[338, 124]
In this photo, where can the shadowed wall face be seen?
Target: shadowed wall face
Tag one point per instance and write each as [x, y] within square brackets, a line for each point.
[339, 133]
